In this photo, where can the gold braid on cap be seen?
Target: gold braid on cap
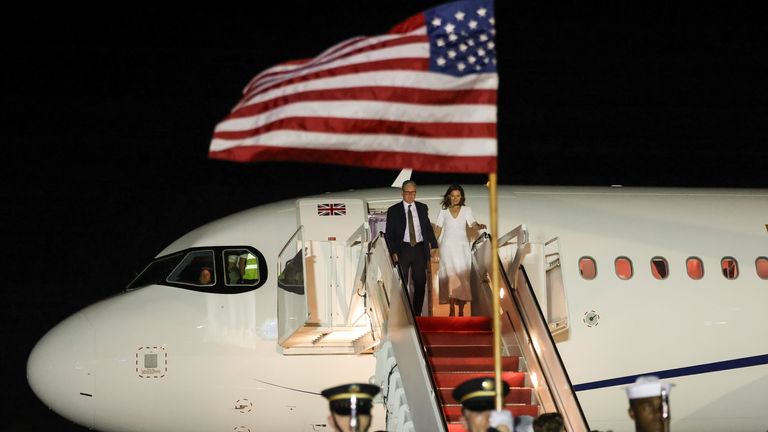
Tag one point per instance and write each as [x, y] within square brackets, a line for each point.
[479, 393]
[349, 395]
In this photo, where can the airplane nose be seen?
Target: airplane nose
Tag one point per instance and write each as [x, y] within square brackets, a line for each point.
[60, 369]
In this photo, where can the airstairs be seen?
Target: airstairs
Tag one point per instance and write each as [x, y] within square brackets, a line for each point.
[340, 293]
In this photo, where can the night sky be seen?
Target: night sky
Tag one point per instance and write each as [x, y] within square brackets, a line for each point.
[108, 114]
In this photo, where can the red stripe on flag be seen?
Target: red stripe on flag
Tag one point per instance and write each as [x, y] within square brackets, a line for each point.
[373, 159]
[416, 64]
[371, 104]
[409, 24]
[332, 50]
[296, 62]
[367, 126]
[389, 94]
[299, 62]
[405, 40]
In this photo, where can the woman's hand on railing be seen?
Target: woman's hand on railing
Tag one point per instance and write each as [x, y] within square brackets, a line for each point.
[480, 239]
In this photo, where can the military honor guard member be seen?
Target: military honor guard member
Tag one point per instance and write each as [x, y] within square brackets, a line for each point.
[649, 404]
[477, 398]
[350, 406]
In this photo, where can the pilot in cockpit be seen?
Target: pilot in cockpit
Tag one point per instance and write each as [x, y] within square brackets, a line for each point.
[205, 277]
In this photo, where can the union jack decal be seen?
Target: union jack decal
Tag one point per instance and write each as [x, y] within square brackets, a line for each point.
[336, 209]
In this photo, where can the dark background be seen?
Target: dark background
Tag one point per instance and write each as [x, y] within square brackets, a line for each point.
[108, 113]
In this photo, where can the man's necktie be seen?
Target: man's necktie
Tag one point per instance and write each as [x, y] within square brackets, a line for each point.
[411, 231]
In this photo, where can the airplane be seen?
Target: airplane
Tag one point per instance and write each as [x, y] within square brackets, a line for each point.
[671, 282]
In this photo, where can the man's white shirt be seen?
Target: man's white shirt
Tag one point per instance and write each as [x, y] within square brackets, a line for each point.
[416, 224]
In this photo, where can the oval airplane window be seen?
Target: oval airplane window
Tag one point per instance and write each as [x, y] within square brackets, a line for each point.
[762, 267]
[587, 268]
[623, 267]
[695, 268]
[659, 267]
[730, 268]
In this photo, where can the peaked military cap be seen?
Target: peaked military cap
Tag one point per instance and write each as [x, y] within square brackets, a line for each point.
[340, 398]
[647, 386]
[478, 394]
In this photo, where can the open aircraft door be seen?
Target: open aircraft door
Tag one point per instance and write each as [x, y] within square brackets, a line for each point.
[541, 262]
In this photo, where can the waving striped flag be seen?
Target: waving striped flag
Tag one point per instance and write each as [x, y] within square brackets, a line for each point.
[422, 96]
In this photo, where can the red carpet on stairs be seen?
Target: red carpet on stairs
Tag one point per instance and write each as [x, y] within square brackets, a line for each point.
[461, 348]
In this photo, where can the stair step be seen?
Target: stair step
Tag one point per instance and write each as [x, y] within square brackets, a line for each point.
[453, 379]
[457, 338]
[517, 395]
[472, 364]
[473, 323]
[453, 412]
[467, 351]
[460, 351]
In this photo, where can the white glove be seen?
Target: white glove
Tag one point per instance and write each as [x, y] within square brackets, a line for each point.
[501, 420]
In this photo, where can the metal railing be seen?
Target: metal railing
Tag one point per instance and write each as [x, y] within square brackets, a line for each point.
[403, 333]
[524, 325]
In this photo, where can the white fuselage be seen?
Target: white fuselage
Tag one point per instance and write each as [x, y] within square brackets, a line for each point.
[220, 367]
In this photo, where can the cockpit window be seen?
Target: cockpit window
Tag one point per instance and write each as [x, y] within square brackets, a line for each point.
[217, 269]
[242, 267]
[195, 269]
[156, 271]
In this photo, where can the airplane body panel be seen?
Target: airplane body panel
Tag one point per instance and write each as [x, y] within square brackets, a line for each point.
[165, 358]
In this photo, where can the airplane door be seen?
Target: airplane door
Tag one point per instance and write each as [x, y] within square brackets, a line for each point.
[541, 262]
[542, 265]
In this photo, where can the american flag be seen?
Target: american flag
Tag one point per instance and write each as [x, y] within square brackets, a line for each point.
[335, 209]
[422, 96]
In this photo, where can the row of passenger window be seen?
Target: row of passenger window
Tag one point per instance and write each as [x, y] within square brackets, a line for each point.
[694, 266]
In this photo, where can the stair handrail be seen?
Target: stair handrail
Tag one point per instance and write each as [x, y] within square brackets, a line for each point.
[526, 327]
[398, 333]
[537, 337]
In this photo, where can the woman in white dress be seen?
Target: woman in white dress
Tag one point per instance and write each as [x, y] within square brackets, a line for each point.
[455, 260]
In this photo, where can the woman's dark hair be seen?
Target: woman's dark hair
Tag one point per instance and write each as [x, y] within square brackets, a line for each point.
[447, 197]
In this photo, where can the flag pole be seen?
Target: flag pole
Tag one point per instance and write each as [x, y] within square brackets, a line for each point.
[495, 290]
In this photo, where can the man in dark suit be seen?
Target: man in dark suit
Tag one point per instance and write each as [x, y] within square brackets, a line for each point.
[410, 236]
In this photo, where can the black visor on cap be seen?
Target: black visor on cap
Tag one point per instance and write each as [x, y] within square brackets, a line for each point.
[344, 407]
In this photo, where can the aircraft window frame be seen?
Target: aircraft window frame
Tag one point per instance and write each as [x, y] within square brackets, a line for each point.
[688, 270]
[158, 271]
[627, 261]
[762, 271]
[732, 273]
[594, 267]
[179, 274]
[656, 272]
